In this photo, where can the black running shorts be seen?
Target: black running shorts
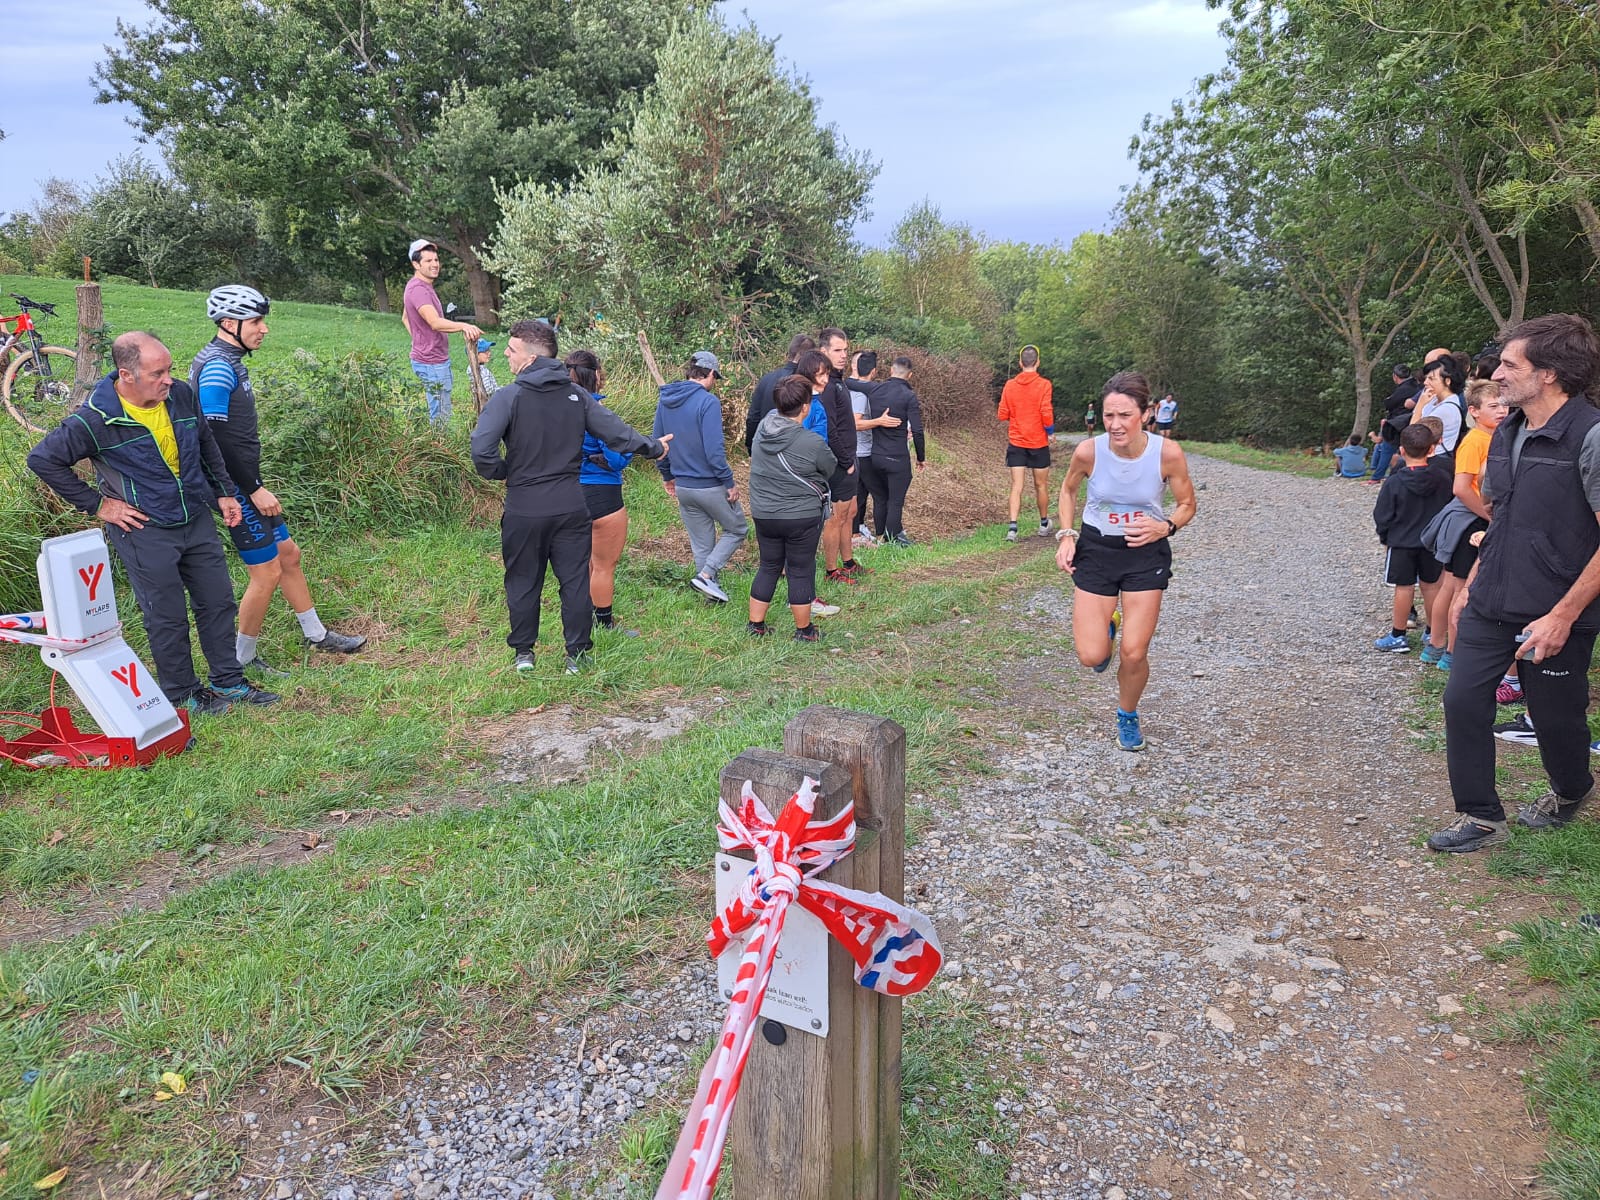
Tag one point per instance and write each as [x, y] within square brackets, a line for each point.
[1108, 566]
[603, 499]
[1466, 553]
[1034, 460]
[843, 485]
[1407, 564]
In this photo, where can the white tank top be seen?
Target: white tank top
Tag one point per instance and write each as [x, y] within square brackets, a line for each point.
[1120, 487]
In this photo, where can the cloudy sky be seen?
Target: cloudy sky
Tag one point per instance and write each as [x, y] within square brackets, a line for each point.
[1011, 115]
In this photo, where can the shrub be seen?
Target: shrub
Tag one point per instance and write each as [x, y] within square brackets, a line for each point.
[344, 448]
[29, 513]
[955, 389]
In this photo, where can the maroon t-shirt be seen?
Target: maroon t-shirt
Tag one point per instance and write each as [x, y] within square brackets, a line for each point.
[428, 345]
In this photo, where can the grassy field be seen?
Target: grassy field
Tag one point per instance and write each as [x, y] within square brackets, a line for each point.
[456, 899]
[1294, 462]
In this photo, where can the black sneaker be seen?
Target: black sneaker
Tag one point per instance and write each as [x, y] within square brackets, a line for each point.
[334, 642]
[576, 663]
[203, 702]
[901, 540]
[1466, 834]
[1519, 732]
[524, 662]
[1550, 811]
[262, 667]
[808, 634]
[756, 628]
[247, 693]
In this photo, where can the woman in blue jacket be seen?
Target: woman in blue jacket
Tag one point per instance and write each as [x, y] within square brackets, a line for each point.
[600, 476]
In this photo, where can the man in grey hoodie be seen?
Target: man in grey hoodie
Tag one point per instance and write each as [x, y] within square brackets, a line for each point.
[699, 477]
[531, 435]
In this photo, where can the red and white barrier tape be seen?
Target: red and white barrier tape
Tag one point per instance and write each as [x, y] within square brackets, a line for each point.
[896, 952]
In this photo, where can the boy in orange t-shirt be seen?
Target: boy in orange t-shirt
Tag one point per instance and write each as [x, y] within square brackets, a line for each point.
[1025, 405]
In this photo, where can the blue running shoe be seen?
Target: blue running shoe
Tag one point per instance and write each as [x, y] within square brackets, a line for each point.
[1116, 624]
[1430, 653]
[1444, 661]
[1128, 735]
[1391, 643]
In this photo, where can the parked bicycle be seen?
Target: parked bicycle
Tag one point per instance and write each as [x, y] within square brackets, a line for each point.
[38, 380]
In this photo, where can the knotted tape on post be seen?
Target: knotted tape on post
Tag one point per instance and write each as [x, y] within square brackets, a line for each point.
[896, 952]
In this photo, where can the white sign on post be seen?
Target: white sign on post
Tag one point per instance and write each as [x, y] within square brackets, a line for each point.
[797, 994]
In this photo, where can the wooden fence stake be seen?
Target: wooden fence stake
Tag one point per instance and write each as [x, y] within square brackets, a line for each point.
[91, 331]
[819, 1118]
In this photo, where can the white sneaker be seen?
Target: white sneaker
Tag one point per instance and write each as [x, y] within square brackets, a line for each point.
[1045, 526]
[709, 588]
[819, 609]
[1011, 534]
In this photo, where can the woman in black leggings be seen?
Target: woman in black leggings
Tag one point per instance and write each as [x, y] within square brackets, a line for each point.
[790, 467]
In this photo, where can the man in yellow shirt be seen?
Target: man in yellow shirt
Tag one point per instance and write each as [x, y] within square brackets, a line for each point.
[158, 475]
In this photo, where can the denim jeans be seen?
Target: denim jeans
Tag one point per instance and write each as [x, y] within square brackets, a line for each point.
[436, 381]
[1381, 454]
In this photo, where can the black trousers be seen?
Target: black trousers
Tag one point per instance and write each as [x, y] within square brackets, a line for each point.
[1557, 690]
[529, 545]
[892, 480]
[787, 548]
[172, 570]
[863, 490]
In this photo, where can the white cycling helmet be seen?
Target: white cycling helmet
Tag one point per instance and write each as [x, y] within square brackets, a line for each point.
[235, 302]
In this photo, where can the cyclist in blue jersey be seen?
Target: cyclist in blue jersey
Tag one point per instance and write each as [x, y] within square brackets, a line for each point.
[600, 476]
[222, 382]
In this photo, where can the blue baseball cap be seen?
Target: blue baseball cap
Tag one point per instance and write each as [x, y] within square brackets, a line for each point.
[484, 344]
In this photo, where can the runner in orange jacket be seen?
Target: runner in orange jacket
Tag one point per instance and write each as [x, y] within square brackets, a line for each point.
[1025, 404]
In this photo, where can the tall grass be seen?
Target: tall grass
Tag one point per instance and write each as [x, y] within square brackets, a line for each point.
[345, 445]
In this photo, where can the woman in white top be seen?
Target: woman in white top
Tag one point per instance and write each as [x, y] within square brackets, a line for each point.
[1123, 553]
[1441, 397]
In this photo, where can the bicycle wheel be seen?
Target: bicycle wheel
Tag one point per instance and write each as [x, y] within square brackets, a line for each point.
[38, 387]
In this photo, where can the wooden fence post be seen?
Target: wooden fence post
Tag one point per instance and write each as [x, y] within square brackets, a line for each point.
[818, 1118]
[873, 750]
[91, 333]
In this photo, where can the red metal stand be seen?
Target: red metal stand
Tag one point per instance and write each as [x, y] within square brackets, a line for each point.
[58, 735]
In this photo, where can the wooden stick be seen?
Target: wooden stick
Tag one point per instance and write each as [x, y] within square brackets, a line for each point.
[650, 360]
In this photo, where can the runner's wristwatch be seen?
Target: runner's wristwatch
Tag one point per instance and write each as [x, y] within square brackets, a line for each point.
[1172, 527]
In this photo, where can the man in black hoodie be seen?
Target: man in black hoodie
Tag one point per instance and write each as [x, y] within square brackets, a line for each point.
[761, 398]
[539, 419]
[894, 408]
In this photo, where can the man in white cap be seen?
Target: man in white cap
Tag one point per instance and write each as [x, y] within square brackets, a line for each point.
[699, 477]
[430, 341]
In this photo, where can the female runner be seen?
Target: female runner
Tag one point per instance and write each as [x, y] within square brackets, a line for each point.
[1124, 549]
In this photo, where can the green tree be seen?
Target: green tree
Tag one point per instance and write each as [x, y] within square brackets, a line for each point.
[1261, 167]
[722, 212]
[370, 120]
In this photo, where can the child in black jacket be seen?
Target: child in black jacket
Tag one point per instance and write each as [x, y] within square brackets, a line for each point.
[1409, 499]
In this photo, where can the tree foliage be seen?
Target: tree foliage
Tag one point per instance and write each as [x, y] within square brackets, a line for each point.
[723, 212]
[359, 123]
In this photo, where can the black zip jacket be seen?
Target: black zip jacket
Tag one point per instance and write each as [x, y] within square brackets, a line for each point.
[539, 420]
[761, 400]
[127, 463]
[895, 397]
[835, 397]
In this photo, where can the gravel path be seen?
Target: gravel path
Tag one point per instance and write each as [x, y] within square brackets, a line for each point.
[1221, 967]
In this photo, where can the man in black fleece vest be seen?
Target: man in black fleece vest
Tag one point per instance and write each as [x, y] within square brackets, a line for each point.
[531, 435]
[1534, 593]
